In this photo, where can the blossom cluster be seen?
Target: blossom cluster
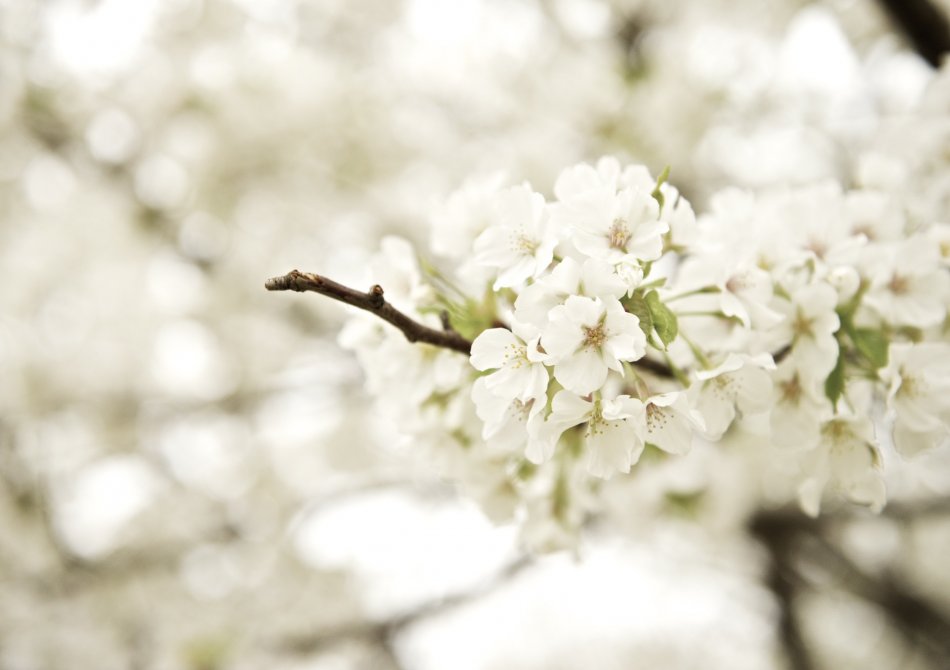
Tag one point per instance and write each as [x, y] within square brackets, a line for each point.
[608, 322]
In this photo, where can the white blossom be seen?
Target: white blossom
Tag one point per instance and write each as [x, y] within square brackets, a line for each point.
[671, 421]
[810, 325]
[587, 337]
[918, 379]
[614, 432]
[519, 371]
[520, 244]
[619, 228]
[846, 459]
[740, 383]
[908, 285]
[508, 423]
[798, 409]
[593, 279]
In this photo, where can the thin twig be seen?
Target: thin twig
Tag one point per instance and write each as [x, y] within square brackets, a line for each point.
[923, 24]
[372, 301]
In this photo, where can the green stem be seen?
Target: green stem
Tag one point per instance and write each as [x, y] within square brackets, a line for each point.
[698, 291]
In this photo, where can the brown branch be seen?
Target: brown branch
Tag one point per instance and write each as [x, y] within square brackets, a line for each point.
[923, 24]
[372, 301]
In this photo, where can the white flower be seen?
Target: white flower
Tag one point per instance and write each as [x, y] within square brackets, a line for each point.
[619, 227]
[520, 245]
[739, 383]
[593, 279]
[678, 213]
[745, 293]
[519, 371]
[607, 177]
[846, 459]
[797, 409]
[464, 215]
[875, 215]
[401, 373]
[671, 421]
[613, 436]
[918, 378]
[814, 219]
[744, 290]
[908, 286]
[939, 236]
[586, 337]
[508, 424]
[810, 325]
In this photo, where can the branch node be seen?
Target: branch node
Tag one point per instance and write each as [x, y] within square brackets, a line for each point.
[376, 298]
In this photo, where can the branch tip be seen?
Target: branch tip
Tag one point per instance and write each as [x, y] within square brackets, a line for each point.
[373, 301]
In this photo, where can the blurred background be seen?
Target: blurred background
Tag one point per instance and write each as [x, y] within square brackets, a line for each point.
[191, 473]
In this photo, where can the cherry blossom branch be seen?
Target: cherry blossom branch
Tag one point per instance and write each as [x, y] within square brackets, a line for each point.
[923, 24]
[372, 301]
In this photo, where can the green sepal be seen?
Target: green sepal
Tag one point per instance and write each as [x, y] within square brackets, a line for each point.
[657, 194]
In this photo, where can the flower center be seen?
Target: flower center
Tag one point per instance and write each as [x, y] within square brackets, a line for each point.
[618, 235]
[840, 436]
[518, 410]
[523, 243]
[910, 385]
[791, 390]
[736, 283]
[801, 326]
[515, 356]
[656, 417]
[724, 386]
[594, 336]
[899, 285]
[817, 247]
[595, 422]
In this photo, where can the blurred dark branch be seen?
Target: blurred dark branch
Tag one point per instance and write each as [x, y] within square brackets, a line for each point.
[783, 580]
[919, 621]
[923, 24]
[372, 301]
[791, 538]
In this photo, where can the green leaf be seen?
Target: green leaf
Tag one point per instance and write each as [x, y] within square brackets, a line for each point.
[637, 306]
[872, 344]
[664, 320]
[834, 385]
